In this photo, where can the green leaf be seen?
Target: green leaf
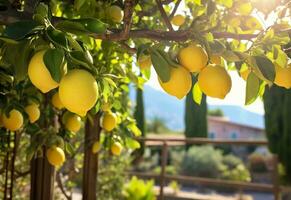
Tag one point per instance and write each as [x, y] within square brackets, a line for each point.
[142, 49]
[197, 94]
[233, 56]
[266, 67]
[252, 88]
[211, 6]
[198, 2]
[54, 60]
[82, 26]
[78, 4]
[217, 47]
[226, 3]
[41, 13]
[21, 29]
[167, 57]
[80, 58]
[131, 143]
[161, 66]
[57, 37]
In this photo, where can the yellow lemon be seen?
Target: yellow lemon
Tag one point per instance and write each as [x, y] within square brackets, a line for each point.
[244, 74]
[252, 23]
[109, 121]
[179, 84]
[78, 91]
[283, 76]
[56, 101]
[215, 59]
[96, 147]
[178, 20]
[144, 62]
[115, 13]
[55, 156]
[116, 148]
[193, 57]
[73, 123]
[214, 81]
[14, 121]
[39, 75]
[245, 8]
[106, 107]
[33, 112]
[234, 21]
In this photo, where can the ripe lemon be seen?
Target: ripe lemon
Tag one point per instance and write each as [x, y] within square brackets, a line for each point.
[179, 84]
[106, 107]
[57, 102]
[283, 76]
[214, 81]
[215, 59]
[115, 13]
[116, 148]
[178, 20]
[55, 156]
[14, 121]
[78, 91]
[73, 123]
[39, 75]
[244, 74]
[144, 62]
[96, 147]
[109, 121]
[193, 57]
[33, 112]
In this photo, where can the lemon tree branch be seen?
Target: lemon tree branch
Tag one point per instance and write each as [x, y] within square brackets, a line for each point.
[164, 15]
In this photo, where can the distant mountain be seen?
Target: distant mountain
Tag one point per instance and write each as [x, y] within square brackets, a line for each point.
[170, 109]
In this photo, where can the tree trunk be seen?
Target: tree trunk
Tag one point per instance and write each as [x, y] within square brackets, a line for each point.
[195, 116]
[90, 168]
[42, 179]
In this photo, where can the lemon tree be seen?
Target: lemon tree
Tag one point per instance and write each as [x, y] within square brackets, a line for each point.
[66, 67]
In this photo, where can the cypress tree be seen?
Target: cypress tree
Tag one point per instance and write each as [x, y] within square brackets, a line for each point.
[277, 103]
[140, 119]
[195, 115]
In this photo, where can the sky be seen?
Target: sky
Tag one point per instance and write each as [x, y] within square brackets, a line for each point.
[235, 97]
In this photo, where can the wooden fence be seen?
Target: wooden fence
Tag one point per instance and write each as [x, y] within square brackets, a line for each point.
[240, 186]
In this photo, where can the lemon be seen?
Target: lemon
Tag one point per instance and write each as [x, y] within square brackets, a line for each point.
[115, 13]
[78, 91]
[193, 57]
[215, 59]
[56, 101]
[245, 73]
[106, 107]
[178, 20]
[179, 84]
[144, 62]
[116, 148]
[109, 121]
[96, 147]
[33, 112]
[73, 123]
[283, 76]
[55, 156]
[234, 21]
[39, 75]
[214, 81]
[14, 121]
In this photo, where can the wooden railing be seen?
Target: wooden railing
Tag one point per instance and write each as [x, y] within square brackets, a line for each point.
[240, 186]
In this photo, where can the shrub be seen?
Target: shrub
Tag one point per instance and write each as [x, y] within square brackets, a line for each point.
[171, 170]
[205, 161]
[139, 190]
[257, 163]
[202, 161]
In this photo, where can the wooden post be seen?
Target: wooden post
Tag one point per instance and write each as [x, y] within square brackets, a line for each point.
[90, 168]
[275, 177]
[42, 179]
[163, 169]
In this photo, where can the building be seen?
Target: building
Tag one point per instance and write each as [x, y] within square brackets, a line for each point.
[223, 128]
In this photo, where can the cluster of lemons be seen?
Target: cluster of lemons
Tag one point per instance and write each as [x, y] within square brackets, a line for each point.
[213, 78]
